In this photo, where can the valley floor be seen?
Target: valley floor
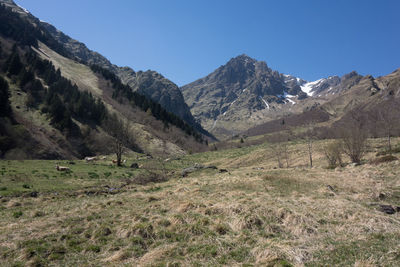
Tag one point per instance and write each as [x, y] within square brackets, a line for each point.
[253, 214]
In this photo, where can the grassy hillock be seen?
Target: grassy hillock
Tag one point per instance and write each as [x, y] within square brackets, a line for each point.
[246, 212]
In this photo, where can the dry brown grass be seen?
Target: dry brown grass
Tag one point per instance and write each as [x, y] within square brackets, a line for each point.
[263, 217]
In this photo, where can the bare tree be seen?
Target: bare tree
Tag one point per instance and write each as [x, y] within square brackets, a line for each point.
[310, 136]
[354, 136]
[387, 117]
[280, 148]
[163, 158]
[120, 129]
[278, 153]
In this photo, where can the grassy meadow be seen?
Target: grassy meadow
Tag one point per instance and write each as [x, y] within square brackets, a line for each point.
[252, 215]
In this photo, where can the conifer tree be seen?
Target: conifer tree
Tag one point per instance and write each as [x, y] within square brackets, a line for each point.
[5, 107]
[14, 66]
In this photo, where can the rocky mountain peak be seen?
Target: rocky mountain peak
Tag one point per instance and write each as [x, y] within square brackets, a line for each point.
[237, 91]
[350, 75]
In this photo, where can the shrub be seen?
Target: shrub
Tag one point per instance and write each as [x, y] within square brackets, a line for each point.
[333, 153]
[354, 136]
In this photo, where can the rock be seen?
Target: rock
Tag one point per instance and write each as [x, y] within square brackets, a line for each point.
[112, 190]
[330, 188]
[134, 166]
[186, 171]
[196, 167]
[388, 209]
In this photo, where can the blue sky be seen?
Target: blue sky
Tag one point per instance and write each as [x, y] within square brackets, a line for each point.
[186, 39]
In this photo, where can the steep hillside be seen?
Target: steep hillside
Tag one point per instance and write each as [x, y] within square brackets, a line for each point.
[163, 91]
[60, 106]
[148, 83]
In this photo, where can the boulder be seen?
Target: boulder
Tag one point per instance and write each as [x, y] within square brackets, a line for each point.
[134, 166]
[388, 209]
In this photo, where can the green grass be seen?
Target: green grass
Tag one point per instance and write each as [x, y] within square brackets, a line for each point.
[345, 253]
[22, 177]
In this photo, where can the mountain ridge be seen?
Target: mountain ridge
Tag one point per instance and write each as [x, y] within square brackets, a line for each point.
[244, 93]
[60, 106]
[168, 95]
[243, 88]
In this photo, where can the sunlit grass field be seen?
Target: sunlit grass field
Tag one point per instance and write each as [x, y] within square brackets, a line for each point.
[255, 214]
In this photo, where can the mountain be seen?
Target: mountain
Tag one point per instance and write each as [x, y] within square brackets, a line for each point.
[148, 83]
[56, 105]
[246, 96]
[336, 99]
[239, 94]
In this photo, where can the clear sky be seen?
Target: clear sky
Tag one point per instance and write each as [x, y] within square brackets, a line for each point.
[187, 39]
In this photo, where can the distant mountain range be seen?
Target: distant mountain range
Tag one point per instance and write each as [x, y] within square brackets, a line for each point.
[245, 93]
[243, 96]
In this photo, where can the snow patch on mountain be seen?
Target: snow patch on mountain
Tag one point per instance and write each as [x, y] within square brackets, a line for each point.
[291, 101]
[308, 87]
[265, 102]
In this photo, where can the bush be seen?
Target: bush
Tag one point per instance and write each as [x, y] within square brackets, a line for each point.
[354, 136]
[333, 153]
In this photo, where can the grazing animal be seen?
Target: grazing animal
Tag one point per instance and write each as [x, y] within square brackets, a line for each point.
[115, 161]
[62, 168]
[89, 159]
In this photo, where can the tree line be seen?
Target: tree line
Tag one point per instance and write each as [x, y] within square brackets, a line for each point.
[62, 100]
[124, 91]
